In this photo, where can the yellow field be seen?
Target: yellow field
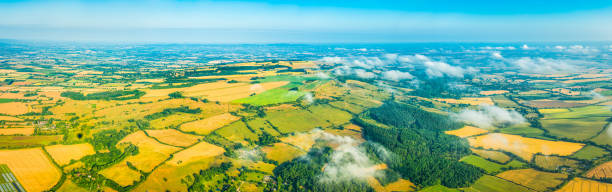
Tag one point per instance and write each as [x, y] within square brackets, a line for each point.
[174, 137]
[197, 152]
[168, 177]
[13, 108]
[281, 152]
[32, 168]
[301, 140]
[583, 185]
[531, 178]
[400, 185]
[62, 154]
[469, 100]
[121, 174]
[15, 131]
[601, 171]
[173, 120]
[69, 186]
[9, 118]
[218, 91]
[466, 131]
[208, 125]
[549, 111]
[496, 92]
[150, 152]
[524, 147]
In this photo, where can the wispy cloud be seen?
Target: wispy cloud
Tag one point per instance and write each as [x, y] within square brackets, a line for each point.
[487, 116]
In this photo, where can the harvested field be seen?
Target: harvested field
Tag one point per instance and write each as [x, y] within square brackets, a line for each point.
[9, 118]
[16, 131]
[174, 137]
[169, 177]
[531, 178]
[492, 155]
[301, 140]
[150, 152]
[466, 131]
[584, 185]
[121, 174]
[69, 186]
[524, 147]
[63, 154]
[603, 171]
[32, 167]
[14, 108]
[551, 104]
[208, 125]
[281, 152]
[202, 150]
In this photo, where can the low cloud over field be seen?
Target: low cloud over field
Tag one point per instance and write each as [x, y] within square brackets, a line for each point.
[487, 116]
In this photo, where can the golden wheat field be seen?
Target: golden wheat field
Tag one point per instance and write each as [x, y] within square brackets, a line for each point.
[602, 171]
[400, 185]
[208, 125]
[63, 154]
[32, 168]
[121, 174]
[584, 185]
[174, 137]
[9, 118]
[466, 131]
[69, 186]
[534, 179]
[13, 108]
[169, 177]
[150, 152]
[524, 147]
[17, 131]
[197, 152]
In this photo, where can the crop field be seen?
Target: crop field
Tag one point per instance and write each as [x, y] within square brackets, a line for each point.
[466, 131]
[259, 124]
[491, 167]
[533, 179]
[503, 101]
[301, 140]
[208, 125]
[332, 115]
[218, 91]
[169, 177]
[590, 152]
[489, 183]
[522, 129]
[492, 155]
[493, 92]
[554, 163]
[63, 154]
[584, 185]
[16, 131]
[601, 171]
[237, 131]
[281, 152]
[33, 169]
[524, 147]
[9, 118]
[14, 108]
[173, 120]
[273, 96]
[174, 137]
[150, 152]
[194, 153]
[121, 174]
[28, 141]
[469, 100]
[578, 123]
[69, 186]
[400, 185]
[605, 137]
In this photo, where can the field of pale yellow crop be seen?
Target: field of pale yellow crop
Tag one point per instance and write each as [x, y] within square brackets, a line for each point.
[32, 168]
[524, 147]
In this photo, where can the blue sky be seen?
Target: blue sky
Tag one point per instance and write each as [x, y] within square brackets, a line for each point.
[314, 21]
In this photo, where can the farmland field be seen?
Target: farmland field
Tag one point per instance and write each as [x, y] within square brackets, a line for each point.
[524, 147]
[150, 152]
[489, 183]
[273, 96]
[121, 174]
[208, 125]
[577, 123]
[533, 179]
[590, 152]
[173, 137]
[28, 141]
[16, 131]
[194, 153]
[466, 131]
[32, 167]
[602, 171]
[554, 163]
[579, 184]
[492, 155]
[281, 152]
[63, 154]
[491, 167]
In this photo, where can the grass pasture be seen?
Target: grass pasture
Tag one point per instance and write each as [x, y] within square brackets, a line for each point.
[492, 155]
[489, 183]
[533, 179]
[150, 152]
[63, 154]
[522, 129]
[32, 168]
[295, 121]
[208, 125]
[466, 131]
[438, 188]
[237, 131]
[169, 177]
[28, 141]
[603, 171]
[121, 174]
[202, 150]
[524, 147]
[554, 163]
[590, 152]
[173, 137]
[605, 137]
[580, 123]
[585, 185]
[491, 167]
[281, 152]
[274, 96]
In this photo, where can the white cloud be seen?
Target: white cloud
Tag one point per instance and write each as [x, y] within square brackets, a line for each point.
[496, 55]
[577, 49]
[434, 68]
[364, 74]
[543, 65]
[395, 75]
[487, 116]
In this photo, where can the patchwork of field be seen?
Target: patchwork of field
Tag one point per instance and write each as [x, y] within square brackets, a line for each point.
[169, 176]
[533, 179]
[202, 150]
[173, 137]
[584, 185]
[602, 171]
[577, 123]
[32, 168]
[208, 125]
[466, 131]
[218, 91]
[489, 183]
[524, 147]
[63, 154]
[273, 96]
[150, 152]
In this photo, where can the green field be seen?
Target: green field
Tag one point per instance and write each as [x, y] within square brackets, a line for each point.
[295, 121]
[438, 188]
[503, 101]
[489, 183]
[580, 123]
[590, 152]
[523, 130]
[237, 131]
[495, 156]
[4, 100]
[490, 167]
[604, 138]
[28, 141]
[273, 96]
